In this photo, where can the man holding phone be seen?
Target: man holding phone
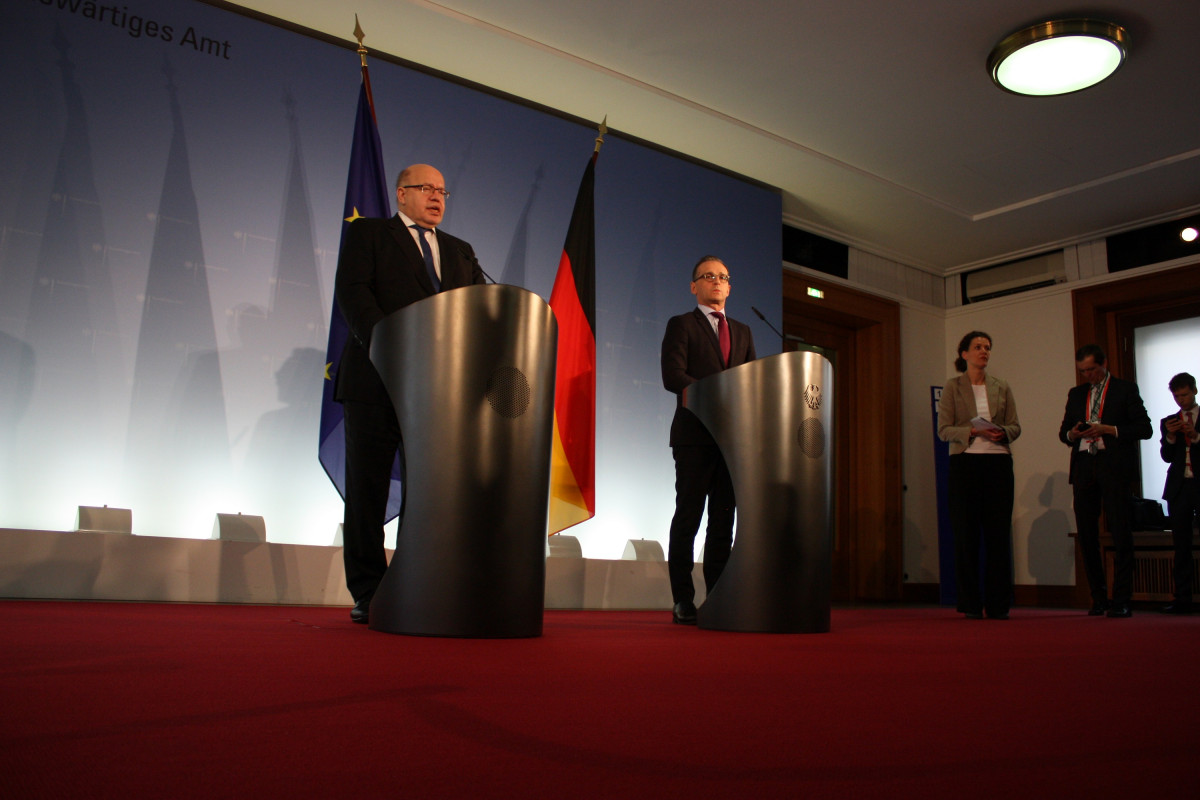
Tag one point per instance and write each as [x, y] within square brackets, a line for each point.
[1180, 448]
[1103, 422]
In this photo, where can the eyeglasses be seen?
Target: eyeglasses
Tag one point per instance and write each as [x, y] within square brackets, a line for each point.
[711, 277]
[425, 188]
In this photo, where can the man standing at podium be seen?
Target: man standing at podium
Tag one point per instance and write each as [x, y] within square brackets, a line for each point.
[700, 343]
[385, 264]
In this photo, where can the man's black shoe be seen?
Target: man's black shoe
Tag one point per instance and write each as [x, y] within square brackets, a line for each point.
[1099, 607]
[1177, 608]
[1120, 610]
[684, 614]
[361, 612]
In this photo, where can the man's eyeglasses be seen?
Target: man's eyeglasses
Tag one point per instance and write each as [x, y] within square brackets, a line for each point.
[711, 277]
[425, 188]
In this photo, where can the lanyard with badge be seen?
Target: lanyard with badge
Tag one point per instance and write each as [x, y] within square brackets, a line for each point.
[1094, 417]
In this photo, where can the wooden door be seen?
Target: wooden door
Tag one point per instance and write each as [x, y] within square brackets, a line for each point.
[863, 333]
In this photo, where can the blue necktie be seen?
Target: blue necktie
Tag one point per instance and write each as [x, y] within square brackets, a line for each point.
[427, 251]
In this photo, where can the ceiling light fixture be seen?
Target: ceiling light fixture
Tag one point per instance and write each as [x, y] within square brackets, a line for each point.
[1058, 56]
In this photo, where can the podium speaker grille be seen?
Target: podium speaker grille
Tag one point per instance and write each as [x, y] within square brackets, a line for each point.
[508, 392]
[811, 437]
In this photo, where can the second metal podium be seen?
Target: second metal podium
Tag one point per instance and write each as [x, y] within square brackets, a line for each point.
[773, 421]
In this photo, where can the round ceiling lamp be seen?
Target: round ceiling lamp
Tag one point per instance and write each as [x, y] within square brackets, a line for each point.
[1058, 57]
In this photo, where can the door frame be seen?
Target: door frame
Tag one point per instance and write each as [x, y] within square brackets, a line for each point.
[1108, 313]
[864, 331]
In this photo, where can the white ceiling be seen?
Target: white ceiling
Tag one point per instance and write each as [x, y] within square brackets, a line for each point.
[876, 119]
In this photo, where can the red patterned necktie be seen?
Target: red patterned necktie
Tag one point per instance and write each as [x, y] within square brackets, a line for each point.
[723, 336]
[1188, 472]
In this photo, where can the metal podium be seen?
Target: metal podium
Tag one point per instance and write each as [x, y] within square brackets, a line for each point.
[471, 375]
[773, 421]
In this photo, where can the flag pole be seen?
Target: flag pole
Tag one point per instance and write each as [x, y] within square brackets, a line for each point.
[367, 195]
[358, 34]
[362, 57]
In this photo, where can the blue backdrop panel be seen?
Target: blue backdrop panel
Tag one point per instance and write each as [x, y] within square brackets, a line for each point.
[171, 181]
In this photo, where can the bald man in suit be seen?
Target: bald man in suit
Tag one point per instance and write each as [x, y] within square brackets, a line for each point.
[383, 267]
[692, 349]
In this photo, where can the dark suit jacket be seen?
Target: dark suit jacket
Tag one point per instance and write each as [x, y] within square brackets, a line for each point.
[691, 351]
[381, 270]
[1123, 408]
[1176, 456]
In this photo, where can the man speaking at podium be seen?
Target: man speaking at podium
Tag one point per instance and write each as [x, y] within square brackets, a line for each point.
[385, 264]
[696, 345]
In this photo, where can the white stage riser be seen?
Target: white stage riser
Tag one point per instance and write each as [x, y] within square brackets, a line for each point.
[82, 565]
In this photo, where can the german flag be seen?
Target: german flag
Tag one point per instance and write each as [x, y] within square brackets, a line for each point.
[573, 300]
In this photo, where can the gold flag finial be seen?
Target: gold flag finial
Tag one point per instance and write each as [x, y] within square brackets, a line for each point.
[358, 34]
[603, 130]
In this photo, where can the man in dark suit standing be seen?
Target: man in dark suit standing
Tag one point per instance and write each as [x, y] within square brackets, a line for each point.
[696, 345]
[1103, 422]
[1180, 447]
[385, 264]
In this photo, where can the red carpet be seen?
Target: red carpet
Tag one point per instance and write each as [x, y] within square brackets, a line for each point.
[144, 700]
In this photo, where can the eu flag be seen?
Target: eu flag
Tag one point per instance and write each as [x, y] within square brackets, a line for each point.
[367, 195]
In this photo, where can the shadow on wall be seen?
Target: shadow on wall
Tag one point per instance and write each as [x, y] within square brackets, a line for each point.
[17, 378]
[916, 552]
[1051, 549]
[41, 566]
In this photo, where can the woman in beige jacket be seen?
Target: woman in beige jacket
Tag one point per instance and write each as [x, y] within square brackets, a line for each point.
[977, 415]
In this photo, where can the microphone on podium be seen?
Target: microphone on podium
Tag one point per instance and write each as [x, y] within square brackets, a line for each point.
[470, 258]
[782, 339]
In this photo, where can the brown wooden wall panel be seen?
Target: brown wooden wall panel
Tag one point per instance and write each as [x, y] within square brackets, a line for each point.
[864, 332]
